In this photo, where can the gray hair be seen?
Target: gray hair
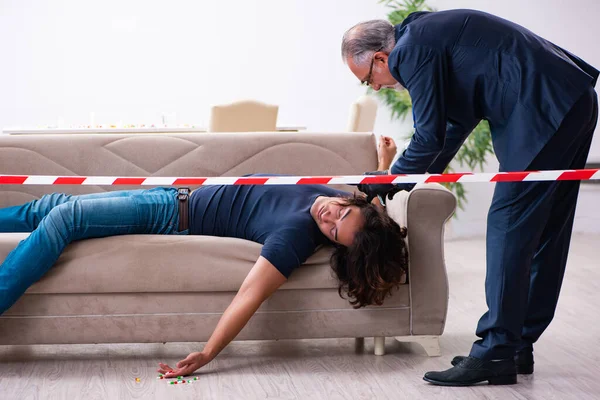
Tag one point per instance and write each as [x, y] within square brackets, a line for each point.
[364, 39]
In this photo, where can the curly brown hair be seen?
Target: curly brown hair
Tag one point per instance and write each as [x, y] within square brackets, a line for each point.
[376, 261]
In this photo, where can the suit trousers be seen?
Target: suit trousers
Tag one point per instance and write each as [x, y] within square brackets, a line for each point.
[528, 235]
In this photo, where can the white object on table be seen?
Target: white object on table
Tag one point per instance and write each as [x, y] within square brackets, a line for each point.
[161, 129]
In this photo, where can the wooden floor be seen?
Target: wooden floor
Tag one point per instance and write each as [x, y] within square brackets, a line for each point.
[567, 357]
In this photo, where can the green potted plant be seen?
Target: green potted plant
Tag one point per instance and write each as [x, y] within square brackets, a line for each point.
[478, 145]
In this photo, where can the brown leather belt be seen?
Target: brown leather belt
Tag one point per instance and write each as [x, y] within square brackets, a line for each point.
[183, 195]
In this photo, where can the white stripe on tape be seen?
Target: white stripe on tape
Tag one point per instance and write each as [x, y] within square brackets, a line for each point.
[159, 180]
[99, 180]
[282, 180]
[220, 180]
[40, 180]
[543, 176]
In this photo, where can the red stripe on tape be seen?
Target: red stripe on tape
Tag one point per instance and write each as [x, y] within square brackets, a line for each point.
[510, 177]
[576, 175]
[189, 181]
[251, 181]
[446, 177]
[12, 180]
[321, 180]
[129, 181]
[69, 180]
[379, 179]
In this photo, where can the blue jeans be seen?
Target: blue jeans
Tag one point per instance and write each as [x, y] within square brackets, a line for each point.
[56, 220]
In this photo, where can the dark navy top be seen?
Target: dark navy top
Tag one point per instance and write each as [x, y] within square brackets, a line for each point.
[277, 216]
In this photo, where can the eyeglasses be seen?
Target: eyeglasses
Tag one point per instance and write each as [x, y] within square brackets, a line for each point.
[367, 80]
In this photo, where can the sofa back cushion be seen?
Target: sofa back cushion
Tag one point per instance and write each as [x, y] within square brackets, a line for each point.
[193, 154]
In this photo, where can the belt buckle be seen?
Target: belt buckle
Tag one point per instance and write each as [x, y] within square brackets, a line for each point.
[183, 193]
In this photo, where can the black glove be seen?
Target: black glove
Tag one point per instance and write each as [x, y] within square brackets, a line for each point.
[372, 190]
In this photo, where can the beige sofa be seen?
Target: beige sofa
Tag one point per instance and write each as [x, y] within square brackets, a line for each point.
[152, 288]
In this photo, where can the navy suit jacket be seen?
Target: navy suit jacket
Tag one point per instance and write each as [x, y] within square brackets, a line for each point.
[462, 66]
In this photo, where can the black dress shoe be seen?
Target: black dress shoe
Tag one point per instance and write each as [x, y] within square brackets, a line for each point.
[470, 371]
[523, 361]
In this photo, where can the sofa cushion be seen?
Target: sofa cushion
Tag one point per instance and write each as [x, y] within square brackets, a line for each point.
[161, 263]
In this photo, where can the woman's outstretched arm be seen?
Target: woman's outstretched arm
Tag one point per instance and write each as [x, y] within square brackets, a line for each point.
[262, 280]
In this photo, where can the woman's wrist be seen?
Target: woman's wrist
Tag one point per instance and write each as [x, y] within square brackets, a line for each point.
[383, 165]
[209, 354]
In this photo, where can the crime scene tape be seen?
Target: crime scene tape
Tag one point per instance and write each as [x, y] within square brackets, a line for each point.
[524, 176]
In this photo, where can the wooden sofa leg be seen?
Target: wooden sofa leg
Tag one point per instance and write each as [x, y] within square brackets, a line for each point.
[431, 344]
[379, 345]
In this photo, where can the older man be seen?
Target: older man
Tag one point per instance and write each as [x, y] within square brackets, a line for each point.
[464, 66]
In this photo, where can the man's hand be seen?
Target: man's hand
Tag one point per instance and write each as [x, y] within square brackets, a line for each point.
[386, 150]
[374, 189]
[185, 367]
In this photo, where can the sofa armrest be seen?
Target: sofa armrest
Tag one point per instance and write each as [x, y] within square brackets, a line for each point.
[429, 206]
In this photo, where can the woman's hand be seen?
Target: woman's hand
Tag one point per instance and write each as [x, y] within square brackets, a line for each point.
[386, 150]
[185, 367]
[260, 283]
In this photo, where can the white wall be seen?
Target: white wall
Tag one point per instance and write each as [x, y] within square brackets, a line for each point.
[132, 61]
